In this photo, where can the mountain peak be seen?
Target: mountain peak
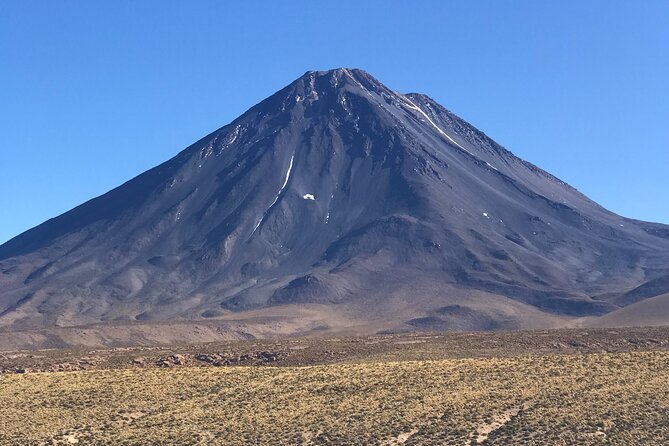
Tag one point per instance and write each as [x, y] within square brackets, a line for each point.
[337, 79]
[337, 73]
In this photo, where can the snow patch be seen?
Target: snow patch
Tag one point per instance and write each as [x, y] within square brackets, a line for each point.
[208, 150]
[312, 87]
[485, 214]
[232, 136]
[308, 197]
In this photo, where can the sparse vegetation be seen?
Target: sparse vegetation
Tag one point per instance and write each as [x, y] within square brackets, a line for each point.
[608, 398]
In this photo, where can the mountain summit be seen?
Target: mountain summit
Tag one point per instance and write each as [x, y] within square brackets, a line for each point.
[340, 196]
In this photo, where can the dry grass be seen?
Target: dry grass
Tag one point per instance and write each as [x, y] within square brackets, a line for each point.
[614, 398]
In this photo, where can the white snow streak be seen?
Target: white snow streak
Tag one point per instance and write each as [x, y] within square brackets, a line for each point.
[419, 110]
[283, 186]
[290, 168]
[485, 214]
[413, 106]
[257, 225]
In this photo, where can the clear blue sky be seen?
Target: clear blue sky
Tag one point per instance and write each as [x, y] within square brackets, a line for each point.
[93, 93]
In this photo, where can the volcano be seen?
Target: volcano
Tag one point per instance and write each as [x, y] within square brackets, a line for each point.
[339, 197]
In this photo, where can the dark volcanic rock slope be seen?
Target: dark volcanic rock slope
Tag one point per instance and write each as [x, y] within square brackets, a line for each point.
[333, 190]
